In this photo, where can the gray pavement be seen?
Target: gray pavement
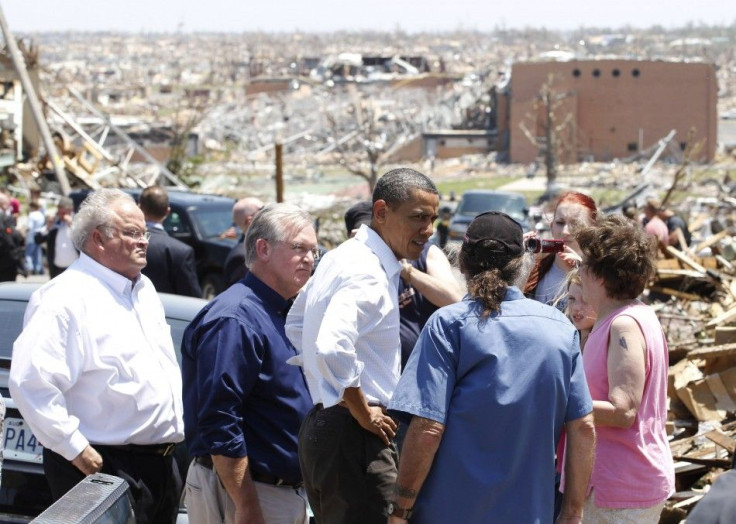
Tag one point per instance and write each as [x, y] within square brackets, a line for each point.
[33, 278]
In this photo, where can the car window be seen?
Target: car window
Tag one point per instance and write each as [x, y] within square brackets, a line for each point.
[11, 324]
[174, 223]
[212, 221]
[474, 204]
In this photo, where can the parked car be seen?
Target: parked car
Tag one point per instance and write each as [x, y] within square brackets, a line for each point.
[477, 201]
[24, 490]
[198, 220]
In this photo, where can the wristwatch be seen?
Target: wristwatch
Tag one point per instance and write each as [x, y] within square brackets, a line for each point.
[396, 511]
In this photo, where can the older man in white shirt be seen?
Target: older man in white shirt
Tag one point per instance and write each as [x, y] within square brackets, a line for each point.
[94, 371]
[345, 325]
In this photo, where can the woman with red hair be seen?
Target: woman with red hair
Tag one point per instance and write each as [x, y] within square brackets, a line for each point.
[547, 280]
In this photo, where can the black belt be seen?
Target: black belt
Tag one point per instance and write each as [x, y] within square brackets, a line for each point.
[141, 449]
[343, 405]
[206, 461]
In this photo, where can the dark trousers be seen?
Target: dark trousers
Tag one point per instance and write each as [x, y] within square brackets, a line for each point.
[154, 481]
[349, 473]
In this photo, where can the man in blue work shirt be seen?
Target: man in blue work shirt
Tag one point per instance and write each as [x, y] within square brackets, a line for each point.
[491, 383]
[243, 404]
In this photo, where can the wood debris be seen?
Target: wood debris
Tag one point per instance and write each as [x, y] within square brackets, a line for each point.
[694, 295]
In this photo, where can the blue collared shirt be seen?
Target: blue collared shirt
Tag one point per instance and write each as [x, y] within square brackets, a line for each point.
[240, 396]
[503, 387]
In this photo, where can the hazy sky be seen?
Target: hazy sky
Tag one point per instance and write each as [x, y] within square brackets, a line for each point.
[330, 15]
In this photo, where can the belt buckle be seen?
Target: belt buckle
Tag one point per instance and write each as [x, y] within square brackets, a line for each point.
[168, 449]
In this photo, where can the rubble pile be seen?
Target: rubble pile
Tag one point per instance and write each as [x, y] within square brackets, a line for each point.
[694, 295]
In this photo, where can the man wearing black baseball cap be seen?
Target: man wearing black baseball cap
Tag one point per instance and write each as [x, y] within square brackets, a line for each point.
[504, 374]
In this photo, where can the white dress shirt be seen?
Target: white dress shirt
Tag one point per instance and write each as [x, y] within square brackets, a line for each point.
[345, 322]
[64, 252]
[95, 363]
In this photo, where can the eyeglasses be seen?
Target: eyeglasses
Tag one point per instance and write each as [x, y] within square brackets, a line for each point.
[137, 235]
[302, 250]
[133, 234]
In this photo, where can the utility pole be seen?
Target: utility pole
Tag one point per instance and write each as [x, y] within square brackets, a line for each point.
[279, 149]
[25, 80]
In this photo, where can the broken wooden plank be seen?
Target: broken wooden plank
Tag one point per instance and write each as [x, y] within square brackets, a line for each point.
[721, 439]
[720, 393]
[687, 502]
[712, 351]
[682, 257]
[709, 462]
[674, 293]
[723, 318]
[725, 263]
[714, 239]
[665, 272]
[681, 240]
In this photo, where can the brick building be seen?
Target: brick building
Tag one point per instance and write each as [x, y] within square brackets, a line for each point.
[609, 108]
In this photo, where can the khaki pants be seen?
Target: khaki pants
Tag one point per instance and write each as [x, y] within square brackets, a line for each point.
[208, 502]
[593, 514]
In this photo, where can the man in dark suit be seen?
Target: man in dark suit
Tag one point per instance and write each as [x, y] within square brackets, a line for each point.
[170, 262]
[60, 250]
[243, 212]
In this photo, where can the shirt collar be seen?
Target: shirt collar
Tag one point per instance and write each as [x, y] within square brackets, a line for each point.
[373, 240]
[513, 293]
[268, 296]
[154, 225]
[117, 282]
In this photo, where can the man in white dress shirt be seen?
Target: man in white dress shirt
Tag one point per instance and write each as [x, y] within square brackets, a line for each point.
[345, 325]
[94, 371]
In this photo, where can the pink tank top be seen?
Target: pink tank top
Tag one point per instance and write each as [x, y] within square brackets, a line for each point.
[633, 466]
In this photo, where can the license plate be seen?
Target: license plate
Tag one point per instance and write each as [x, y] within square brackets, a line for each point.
[20, 443]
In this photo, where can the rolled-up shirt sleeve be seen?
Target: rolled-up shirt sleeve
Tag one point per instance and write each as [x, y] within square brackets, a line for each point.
[579, 402]
[336, 356]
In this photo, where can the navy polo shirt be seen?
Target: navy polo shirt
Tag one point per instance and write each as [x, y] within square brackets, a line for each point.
[240, 396]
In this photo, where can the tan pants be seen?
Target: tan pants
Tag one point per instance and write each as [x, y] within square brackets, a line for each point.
[593, 514]
[208, 502]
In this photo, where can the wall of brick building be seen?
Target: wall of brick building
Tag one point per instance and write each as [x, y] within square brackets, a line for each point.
[616, 105]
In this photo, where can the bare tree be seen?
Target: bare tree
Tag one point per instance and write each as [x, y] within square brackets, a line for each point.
[369, 127]
[360, 150]
[553, 131]
[190, 110]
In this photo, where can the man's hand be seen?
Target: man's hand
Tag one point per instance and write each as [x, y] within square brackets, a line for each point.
[88, 461]
[379, 423]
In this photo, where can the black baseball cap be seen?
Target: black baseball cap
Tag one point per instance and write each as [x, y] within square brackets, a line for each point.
[496, 226]
[358, 214]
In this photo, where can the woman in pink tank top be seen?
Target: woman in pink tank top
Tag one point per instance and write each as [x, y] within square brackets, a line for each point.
[626, 364]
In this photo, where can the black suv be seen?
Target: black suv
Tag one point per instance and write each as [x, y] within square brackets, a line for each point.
[198, 220]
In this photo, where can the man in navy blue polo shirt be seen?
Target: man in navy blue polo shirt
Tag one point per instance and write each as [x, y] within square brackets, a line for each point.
[243, 404]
